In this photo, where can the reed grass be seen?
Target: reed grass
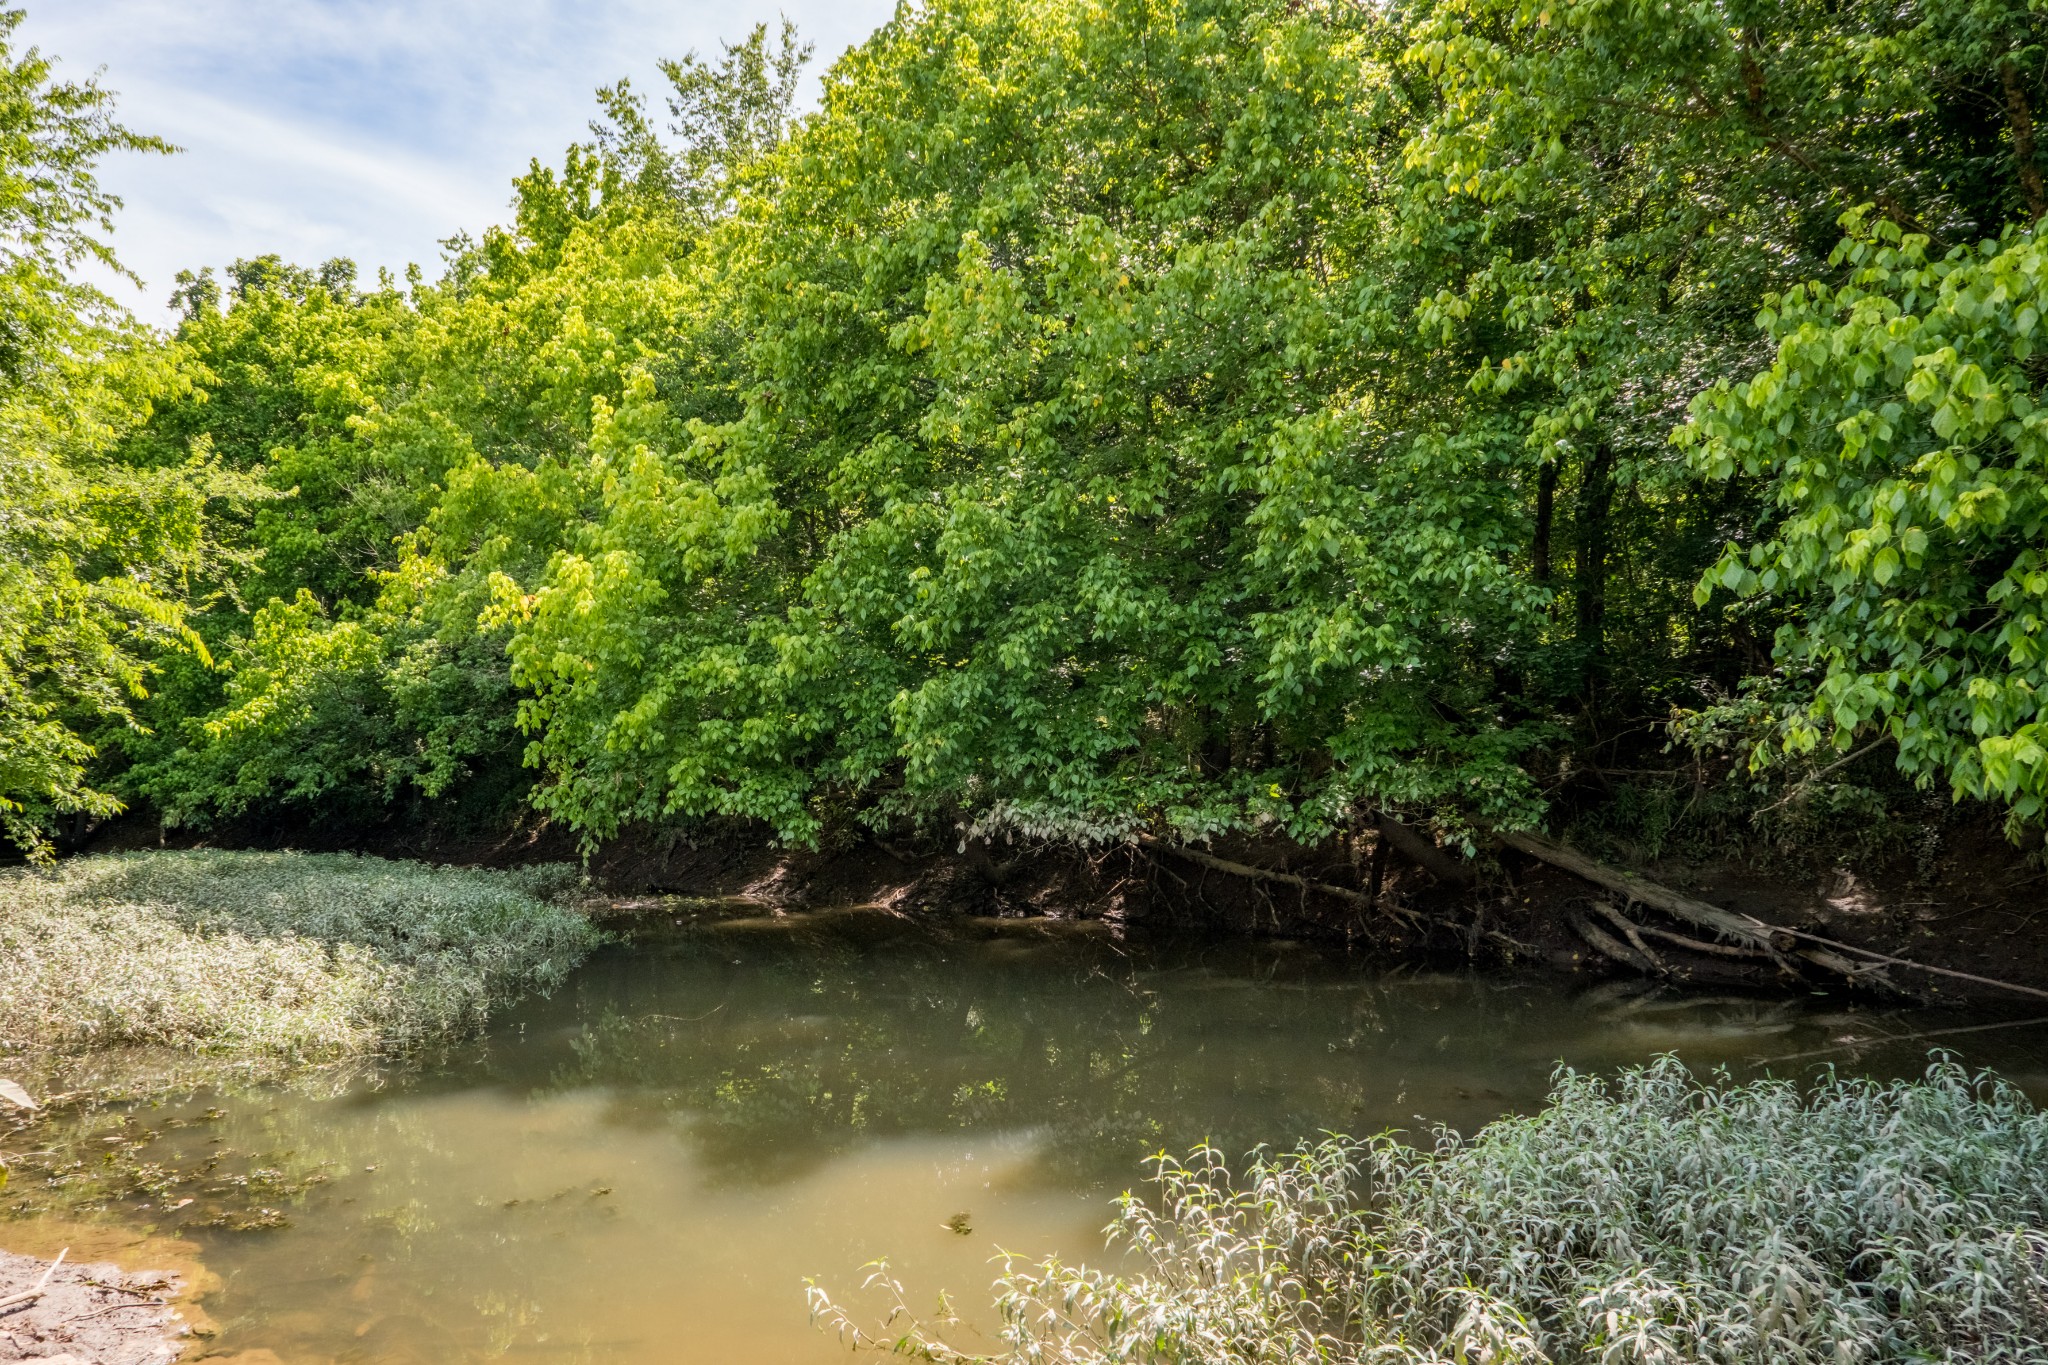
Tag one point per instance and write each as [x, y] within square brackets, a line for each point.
[276, 955]
[1651, 1219]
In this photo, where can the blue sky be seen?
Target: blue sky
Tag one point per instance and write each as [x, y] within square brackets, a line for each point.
[366, 128]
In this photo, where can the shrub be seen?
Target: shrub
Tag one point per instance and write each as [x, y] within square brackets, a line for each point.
[1651, 1219]
[288, 955]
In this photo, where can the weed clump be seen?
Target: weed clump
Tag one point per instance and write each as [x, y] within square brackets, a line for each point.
[1652, 1219]
[282, 955]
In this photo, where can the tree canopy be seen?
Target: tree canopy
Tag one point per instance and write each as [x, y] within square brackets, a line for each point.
[1095, 417]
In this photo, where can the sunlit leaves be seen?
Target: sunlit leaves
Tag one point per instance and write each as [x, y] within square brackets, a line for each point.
[1900, 431]
[1057, 498]
[97, 560]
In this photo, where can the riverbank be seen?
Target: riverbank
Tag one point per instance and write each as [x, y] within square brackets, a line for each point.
[1950, 891]
[148, 974]
[81, 1312]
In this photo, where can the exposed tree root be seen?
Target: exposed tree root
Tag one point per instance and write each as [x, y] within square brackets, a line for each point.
[1263, 874]
[1360, 899]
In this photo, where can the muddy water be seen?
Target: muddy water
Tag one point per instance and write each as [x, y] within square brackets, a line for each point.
[648, 1167]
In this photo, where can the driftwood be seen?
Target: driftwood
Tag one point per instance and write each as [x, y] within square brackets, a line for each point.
[116, 1307]
[1630, 931]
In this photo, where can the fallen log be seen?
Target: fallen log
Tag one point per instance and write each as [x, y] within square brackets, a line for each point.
[1699, 945]
[1418, 848]
[1604, 943]
[1630, 931]
[1777, 943]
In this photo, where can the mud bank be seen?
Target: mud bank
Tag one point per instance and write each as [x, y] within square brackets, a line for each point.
[89, 1313]
[1964, 899]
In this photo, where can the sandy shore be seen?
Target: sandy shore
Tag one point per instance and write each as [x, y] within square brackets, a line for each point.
[90, 1314]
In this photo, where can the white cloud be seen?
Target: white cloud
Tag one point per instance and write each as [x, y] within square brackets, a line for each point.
[365, 128]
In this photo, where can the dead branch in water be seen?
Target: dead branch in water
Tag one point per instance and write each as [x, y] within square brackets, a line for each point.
[1888, 959]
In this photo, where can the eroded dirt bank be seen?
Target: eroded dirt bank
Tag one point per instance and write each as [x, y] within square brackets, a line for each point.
[1965, 899]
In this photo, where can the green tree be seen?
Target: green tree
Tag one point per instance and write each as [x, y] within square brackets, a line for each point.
[99, 557]
[1901, 429]
[424, 441]
[428, 442]
[1077, 484]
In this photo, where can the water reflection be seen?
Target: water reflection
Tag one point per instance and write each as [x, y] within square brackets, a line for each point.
[646, 1167]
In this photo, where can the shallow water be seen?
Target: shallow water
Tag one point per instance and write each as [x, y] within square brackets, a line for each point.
[647, 1167]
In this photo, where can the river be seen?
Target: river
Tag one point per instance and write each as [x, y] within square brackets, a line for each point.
[648, 1166]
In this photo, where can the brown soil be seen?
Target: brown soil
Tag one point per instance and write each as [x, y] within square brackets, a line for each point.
[1968, 901]
[93, 1312]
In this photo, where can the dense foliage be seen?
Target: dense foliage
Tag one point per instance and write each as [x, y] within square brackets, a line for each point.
[1649, 1219]
[100, 560]
[1097, 416]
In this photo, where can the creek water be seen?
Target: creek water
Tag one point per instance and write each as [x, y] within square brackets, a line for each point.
[648, 1166]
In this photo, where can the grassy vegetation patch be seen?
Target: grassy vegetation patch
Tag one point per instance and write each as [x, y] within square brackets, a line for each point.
[1652, 1219]
[285, 955]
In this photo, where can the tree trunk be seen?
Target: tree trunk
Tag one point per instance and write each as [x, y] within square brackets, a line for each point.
[1420, 849]
[2021, 116]
[1546, 512]
[1596, 508]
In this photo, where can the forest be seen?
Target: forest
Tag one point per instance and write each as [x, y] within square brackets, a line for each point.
[1095, 419]
[1232, 433]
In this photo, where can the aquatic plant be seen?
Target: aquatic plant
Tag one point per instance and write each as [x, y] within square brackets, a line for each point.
[302, 956]
[1651, 1218]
